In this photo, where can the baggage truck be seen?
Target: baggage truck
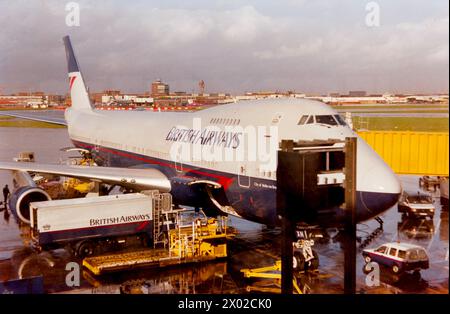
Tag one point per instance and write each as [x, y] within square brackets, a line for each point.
[87, 226]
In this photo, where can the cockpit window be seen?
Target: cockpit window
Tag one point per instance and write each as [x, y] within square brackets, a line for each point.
[325, 119]
[340, 120]
[322, 119]
[302, 120]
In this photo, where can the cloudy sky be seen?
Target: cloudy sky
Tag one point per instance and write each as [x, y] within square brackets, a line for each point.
[316, 46]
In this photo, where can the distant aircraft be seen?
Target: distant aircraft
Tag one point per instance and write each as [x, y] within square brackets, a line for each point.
[135, 149]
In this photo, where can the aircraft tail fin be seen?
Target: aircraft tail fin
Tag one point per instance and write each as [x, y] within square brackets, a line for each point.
[78, 91]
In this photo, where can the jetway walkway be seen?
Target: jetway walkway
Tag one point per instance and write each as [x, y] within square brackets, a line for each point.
[418, 153]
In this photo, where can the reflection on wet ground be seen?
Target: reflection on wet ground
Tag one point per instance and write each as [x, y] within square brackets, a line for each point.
[254, 246]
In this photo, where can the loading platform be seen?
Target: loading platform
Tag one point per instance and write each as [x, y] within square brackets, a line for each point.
[100, 265]
[204, 239]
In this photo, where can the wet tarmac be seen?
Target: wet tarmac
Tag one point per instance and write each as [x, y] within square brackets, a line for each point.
[254, 246]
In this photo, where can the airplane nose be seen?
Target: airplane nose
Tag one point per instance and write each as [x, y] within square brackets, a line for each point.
[378, 187]
[370, 205]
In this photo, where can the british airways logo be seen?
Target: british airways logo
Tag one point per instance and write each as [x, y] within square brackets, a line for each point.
[233, 143]
[205, 137]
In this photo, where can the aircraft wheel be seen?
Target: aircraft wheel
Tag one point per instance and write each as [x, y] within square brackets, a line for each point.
[299, 261]
[315, 262]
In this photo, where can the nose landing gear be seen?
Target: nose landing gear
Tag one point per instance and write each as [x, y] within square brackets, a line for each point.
[305, 258]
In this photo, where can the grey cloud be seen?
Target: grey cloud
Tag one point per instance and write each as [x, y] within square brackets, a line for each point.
[232, 47]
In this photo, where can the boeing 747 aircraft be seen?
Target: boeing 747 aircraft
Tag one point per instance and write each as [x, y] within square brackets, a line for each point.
[143, 150]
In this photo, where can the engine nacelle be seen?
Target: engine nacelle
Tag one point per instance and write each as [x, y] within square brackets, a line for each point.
[20, 200]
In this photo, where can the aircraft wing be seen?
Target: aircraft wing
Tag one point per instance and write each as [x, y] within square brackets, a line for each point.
[54, 117]
[138, 179]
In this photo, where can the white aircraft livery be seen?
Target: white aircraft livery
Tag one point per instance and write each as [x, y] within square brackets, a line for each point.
[221, 159]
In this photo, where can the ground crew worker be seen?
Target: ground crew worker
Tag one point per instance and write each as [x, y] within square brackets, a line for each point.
[5, 194]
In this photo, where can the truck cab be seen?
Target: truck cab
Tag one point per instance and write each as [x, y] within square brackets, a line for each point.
[418, 205]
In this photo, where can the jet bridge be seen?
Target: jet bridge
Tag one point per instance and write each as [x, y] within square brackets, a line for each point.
[312, 176]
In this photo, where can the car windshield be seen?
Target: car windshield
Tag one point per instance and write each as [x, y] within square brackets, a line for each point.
[326, 119]
[419, 199]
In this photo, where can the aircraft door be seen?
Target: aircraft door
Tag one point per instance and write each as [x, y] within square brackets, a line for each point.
[243, 177]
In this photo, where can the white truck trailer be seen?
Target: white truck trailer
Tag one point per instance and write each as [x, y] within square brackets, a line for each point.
[92, 225]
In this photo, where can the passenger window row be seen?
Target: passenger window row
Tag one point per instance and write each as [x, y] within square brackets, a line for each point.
[225, 121]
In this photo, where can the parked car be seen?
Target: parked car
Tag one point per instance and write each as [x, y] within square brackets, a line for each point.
[416, 228]
[399, 257]
[416, 205]
[428, 182]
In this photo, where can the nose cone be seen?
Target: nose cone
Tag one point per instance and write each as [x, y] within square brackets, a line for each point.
[378, 187]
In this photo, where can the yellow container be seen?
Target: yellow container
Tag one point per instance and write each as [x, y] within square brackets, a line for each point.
[420, 153]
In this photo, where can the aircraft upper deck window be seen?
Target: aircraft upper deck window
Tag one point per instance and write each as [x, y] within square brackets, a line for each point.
[302, 120]
[340, 120]
[326, 119]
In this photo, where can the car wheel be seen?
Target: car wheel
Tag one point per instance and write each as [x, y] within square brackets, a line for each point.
[416, 275]
[367, 259]
[71, 250]
[86, 249]
[395, 269]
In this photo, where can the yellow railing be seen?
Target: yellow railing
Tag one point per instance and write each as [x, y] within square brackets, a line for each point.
[411, 152]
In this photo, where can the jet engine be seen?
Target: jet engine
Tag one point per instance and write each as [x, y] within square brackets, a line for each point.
[20, 199]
